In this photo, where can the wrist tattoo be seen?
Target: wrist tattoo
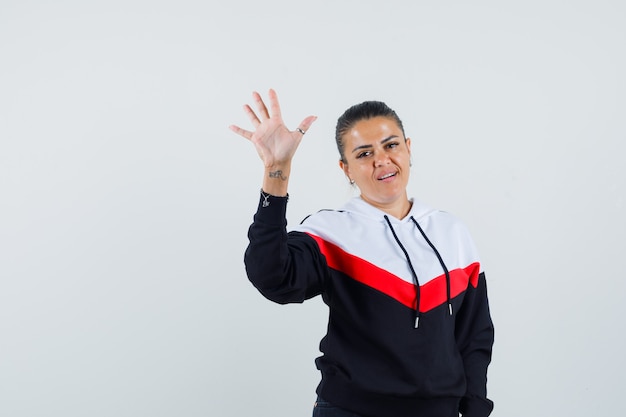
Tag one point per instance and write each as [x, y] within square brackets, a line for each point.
[277, 174]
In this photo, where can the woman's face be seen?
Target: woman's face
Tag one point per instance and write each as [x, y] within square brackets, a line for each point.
[377, 158]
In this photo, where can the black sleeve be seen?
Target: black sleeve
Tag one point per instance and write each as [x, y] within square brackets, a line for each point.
[475, 335]
[284, 267]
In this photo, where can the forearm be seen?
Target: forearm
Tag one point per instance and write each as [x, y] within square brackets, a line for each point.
[276, 179]
[284, 268]
[475, 335]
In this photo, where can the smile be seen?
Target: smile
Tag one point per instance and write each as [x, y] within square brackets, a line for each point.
[384, 177]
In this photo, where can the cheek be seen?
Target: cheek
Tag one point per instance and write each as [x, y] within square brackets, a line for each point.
[365, 172]
[405, 158]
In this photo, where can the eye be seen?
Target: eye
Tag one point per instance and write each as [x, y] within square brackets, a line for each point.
[392, 145]
[363, 154]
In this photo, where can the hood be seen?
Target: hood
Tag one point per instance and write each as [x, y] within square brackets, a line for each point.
[359, 206]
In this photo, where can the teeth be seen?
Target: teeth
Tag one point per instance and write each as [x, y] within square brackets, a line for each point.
[387, 176]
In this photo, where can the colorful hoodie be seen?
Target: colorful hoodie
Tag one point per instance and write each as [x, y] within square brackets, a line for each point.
[409, 332]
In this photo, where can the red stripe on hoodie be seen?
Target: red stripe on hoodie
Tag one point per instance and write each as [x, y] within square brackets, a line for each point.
[433, 293]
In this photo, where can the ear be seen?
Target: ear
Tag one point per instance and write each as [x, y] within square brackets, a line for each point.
[408, 146]
[345, 168]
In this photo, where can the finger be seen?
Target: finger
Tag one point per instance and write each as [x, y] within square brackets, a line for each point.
[260, 105]
[306, 124]
[274, 104]
[251, 115]
[241, 132]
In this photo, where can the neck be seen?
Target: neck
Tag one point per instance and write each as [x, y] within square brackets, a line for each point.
[398, 209]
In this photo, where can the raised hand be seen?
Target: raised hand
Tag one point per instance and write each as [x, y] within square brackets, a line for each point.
[274, 142]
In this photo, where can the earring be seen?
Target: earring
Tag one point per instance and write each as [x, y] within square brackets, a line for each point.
[351, 181]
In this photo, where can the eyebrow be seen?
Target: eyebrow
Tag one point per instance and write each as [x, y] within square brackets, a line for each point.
[382, 142]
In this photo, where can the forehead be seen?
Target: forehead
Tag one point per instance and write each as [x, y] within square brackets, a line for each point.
[374, 129]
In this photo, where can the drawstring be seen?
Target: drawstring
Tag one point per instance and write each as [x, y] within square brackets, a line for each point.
[443, 265]
[415, 281]
[414, 274]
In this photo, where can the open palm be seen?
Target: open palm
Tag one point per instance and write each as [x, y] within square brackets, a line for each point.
[275, 144]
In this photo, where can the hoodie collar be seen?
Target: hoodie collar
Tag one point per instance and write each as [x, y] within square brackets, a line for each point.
[357, 205]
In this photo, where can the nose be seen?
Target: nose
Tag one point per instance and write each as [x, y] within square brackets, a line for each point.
[381, 159]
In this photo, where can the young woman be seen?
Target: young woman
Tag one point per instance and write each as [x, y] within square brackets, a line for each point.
[409, 333]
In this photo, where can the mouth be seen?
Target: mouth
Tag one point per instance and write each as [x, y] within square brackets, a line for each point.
[387, 176]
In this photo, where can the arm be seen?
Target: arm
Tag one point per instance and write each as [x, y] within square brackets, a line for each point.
[475, 335]
[283, 269]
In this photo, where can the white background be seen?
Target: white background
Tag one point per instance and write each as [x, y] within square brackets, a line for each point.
[125, 200]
